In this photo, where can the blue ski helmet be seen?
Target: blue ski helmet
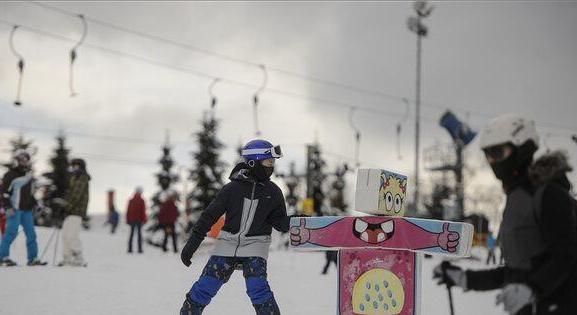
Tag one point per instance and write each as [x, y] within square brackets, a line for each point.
[260, 150]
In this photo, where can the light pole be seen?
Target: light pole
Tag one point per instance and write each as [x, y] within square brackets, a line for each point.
[423, 10]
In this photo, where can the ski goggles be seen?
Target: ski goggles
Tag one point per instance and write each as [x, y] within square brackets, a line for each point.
[498, 152]
[274, 152]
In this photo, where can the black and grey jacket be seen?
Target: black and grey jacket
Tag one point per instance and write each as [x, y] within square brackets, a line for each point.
[538, 237]
[251, 210]
[17, 189]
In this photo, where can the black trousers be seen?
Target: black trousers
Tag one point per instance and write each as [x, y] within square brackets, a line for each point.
[169, 231]
[135, 228]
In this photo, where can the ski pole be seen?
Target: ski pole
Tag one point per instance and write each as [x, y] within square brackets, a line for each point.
[48, 243]
[444, 266]
[56, 247]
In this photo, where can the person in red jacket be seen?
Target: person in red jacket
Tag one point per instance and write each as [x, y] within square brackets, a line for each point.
[136, 217]
[167, 218]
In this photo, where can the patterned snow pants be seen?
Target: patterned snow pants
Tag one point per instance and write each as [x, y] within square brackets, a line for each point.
[218, 271]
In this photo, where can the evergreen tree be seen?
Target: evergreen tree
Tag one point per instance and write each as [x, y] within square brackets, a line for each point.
[337, 199]
[19, 143]
[52, 211]
[208, 169]
[315, 177]
[165, 178]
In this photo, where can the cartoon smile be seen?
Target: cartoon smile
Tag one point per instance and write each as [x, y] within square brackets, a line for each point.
[373, 233]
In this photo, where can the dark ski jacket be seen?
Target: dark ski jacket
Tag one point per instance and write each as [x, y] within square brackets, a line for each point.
[17, 189]
[548, 240]
[251, 208]
[77, 194]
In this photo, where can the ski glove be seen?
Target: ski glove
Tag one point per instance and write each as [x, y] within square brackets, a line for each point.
[515, 296]
[451, 275]
[189, 249]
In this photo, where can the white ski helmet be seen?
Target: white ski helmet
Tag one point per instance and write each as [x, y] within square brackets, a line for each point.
[509, 128]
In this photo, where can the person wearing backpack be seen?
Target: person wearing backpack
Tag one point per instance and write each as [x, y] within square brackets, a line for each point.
[538, 233]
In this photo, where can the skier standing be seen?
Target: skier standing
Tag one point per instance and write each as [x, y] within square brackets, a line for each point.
[76, 206]
[167, 217]
[17, 197]
[136, 217]
[253, 206]
[538, 233]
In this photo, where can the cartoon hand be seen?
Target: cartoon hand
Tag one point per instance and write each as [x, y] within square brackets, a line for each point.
[448, 240]
[300, 234]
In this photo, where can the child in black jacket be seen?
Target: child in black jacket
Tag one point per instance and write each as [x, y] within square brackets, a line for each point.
[253, 206]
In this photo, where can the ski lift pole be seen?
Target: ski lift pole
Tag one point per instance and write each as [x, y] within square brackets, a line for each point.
[255, 100]
[20, 64]
[444, 266]
[73, 55]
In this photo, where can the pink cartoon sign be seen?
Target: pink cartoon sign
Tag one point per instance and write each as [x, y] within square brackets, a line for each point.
[378, 281]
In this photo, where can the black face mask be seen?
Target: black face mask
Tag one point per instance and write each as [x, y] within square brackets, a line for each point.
[260, 172]
[511, 170]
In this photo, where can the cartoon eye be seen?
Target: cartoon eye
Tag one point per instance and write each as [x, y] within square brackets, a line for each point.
[389, 201]
[388, 226]
[360, 226]
[398, 203]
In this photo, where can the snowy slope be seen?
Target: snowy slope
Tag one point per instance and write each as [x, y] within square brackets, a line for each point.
[155, 283]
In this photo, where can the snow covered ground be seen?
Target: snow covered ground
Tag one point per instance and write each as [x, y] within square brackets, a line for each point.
[155, 283]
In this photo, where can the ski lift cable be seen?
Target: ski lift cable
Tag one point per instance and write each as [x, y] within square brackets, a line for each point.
[240, 83]
[73, 54]
[218, 55]
[275, 69]
[255, 99]
[270, 68]
[357, 134]
[202, 74]
[20, 64]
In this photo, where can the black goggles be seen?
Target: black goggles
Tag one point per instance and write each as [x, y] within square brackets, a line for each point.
[497, 152]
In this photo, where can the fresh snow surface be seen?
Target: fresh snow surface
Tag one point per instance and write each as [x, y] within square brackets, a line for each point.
[155, 283]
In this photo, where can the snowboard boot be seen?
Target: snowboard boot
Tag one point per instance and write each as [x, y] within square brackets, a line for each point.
[7, 262]
[267, 308]
[37, 262]
[190, 307]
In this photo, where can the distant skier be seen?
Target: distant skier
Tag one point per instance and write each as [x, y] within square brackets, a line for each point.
[136, 217]
[17, 198]
[253, 206]
[167, 217]
[113, 216]
[538, 234]
[77, 196]
[491, 249]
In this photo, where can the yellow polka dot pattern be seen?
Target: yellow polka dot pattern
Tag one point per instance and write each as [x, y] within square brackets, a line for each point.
[378, 291]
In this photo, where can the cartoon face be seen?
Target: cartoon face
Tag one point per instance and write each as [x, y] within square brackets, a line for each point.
[392, 194]
[373, 231]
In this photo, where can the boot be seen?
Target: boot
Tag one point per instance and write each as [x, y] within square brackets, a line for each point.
[7, 262]
[37, 262]
[190, 307]
[267, 308]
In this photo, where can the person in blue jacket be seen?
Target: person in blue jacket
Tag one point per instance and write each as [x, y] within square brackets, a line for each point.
[253, 206]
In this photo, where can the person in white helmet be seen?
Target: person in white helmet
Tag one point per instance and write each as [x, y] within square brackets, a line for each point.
[538, 233]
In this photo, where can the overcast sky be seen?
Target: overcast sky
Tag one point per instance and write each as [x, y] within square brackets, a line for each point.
[481, 59]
